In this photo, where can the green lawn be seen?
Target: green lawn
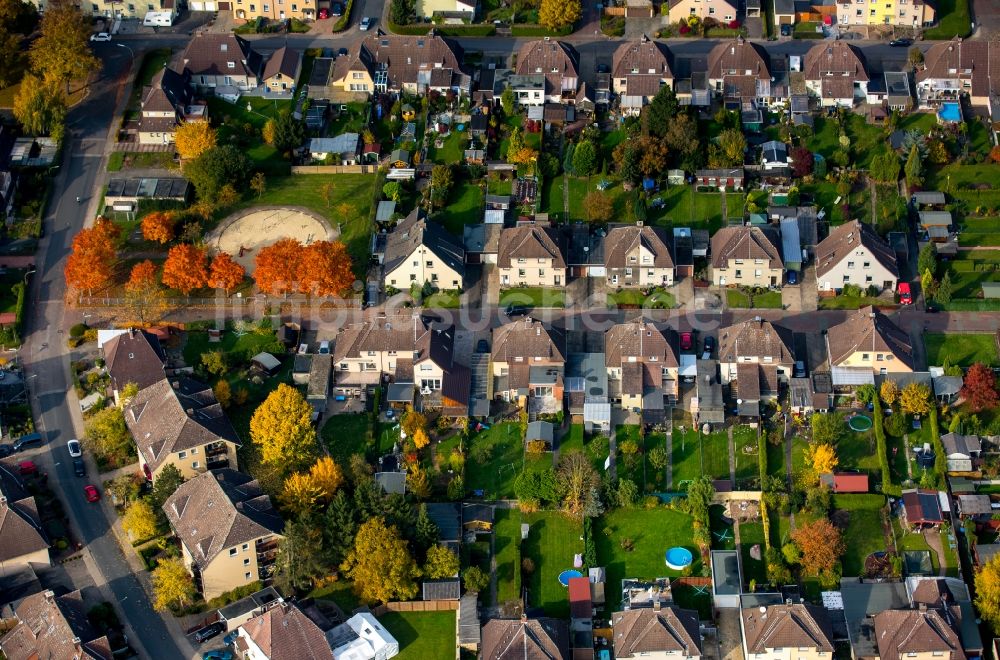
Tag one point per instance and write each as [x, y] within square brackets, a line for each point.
[349, 207]
[865, 138]
[715, 455]
[752, 534]
[776, 460]
[451, 151]
[629, 466]
[686, 457]
[552, 541]
[240, 348]
[422, 635]
[857, 451]
[962, 181]
[864, 531]
[723, 536]
[684, 207]
[767, 300]
[652, 532]
[533, 297]
[345, 436]
[579, 188]
[953, 20]
[552, 197]
[573, 440]
[851, 302]
[633, 298]
[654, 477]
[745, 448]
[507, 542]
[496, 457]
[465, 206]
[960, 349]
[351, 121]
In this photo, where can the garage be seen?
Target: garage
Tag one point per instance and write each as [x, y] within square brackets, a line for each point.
[204, 5]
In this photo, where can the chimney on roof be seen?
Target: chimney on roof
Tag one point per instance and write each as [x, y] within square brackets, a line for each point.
[656, 603]
[239, 506]
[922, 607]
[524, 617]
[190, 412]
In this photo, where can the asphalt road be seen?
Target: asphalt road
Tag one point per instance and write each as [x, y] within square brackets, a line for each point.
[47, 361]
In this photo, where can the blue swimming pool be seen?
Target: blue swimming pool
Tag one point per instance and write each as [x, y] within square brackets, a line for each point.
[950, 112]
[568, 575]
[678, 558]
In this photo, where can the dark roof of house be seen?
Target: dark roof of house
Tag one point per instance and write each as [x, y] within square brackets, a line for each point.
[868, 330]
[971, 59]
[407, 60]
[622, 242]
[528, 338]
[284, 632]
[21, 531]
[168, 91]
[477, 513]
[448, 518]
[846, 238]
[415, 231]
[643, 341]
[529, 242]
[175, 414]
[740, 64]
[746, 242]
[554, 59]
[218, 510]
[520, 639]
[285, 61]
[134, 357]
[956, 443]
[902, 632]
[53, 627]
[401, 332]
[209, 54]
[643, 64]
[756, 338]
[645, 630]
[787, 626]
[446, 589]
[922, 506]
[834, 59]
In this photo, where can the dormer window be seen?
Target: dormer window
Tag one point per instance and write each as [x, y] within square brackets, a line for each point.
[231, 65]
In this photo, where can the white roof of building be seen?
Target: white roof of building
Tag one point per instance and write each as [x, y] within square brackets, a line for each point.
[372, 641]
[104, 336]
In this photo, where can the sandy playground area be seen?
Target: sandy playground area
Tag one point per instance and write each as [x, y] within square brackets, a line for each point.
[244, 233]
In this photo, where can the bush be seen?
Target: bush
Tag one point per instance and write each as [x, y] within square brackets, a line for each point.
[77, 330]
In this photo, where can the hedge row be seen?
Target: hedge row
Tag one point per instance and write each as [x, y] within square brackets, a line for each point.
[345, 19]
[528, 30]
[940, 459]
[888, 488]
[419, 29]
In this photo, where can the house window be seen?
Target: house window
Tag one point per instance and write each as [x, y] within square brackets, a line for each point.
[344, 366]
[232, 65]
[430, 264]
[879, 358]
[541, 272]
[847, 278]
[246, 546]
[739, 274]
[246, 562]
[632, 260]
[232, 552]
[195, 464]
[413, 277]
[520, 272]
[628, 272]
[711, 11]
[867, 264]
[522, 260]
[739, 262]
[865, 357]
[267, 8]
[645, 258]
[850, 264]
[247, 575]
[182, 454]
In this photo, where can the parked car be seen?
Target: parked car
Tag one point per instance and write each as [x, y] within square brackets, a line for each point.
[208, 632]
[793, 277]
[91, 493]
[28, 441]
[687, 341]
[100, 36]
[786, 30]
[79, 467]
[366, 23]
[324, 14]
[74, 448]
[708, 347]
[905, 294]
[482, 346]
[515, 310]
[26, 468]
[336, 9]
[324, 347]
[217, 654]
[342, 52]
[901, 43]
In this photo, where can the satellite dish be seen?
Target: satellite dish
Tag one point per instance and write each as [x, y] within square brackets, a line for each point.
[739, 402]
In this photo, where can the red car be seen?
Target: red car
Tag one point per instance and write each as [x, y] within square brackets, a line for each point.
[905, 295]
[324, 14]
[687, 341]
[91, 493]
[26, 468]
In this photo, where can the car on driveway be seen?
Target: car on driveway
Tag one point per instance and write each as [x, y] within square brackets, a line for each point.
[515, 310]
[91, 493]
[100, 36]
[336, 9]
[208, 632]
[786, 30]
[74, 448]
[793, 277]
[800, 369]
[324, 13]
[901, 43]
[217, 654]
[708, 347]
[342, 52]
[905, 294]
[687, 341]
[79, 467]
[366, 23]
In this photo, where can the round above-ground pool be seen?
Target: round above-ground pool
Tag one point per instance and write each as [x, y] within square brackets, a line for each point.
[678, 558]
[568, 575]
[860, 423]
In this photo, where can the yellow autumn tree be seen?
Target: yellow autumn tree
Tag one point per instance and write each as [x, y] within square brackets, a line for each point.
[172, 584]
[556, 14]
[915, 399]
[282, 428]
[194, 138]
[380, 564]
[327, 476]
[139, 521]
[988, 592]
[300, 493]
[889, 392]
[823, 458]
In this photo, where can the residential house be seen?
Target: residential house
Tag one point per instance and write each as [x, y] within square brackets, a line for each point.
[657, 633]
[707, 405]
[282, 632]
[914, 14]
[759, 342]
[528, 89]
[891, 91]
[531, 255]
[746, 256]
[274, 10]
[237, 613]
[587, 390]
[638, 256]
[738, 70]
[960, 67]
[867, 343]
[125, 194]
[451, 9]
[362, 636]
[638, 70]
[343, 149]
[419, 251]
[727, 179]
[936, 224]
[528, 364]
[178, 421]
[557, 61]
[642, 365]
[784, 13]
[961, 451]
[133, 356]
[23, 541]
[116, 9]
[855, 254]
[382, 63]
[44, 625]
[516, 639]
[477, 517]
[282, 70]
[166, 103]
[224, 64]
[228, 529]
[922, 509]
[916, 633]
[721, 10]
[774, 156]
[845, 482]
[780, 632]
[835, 73]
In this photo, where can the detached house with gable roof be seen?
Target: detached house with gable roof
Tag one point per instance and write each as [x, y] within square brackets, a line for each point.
[867, 344]
[835, 73]
[528, 364]
[746, 255]
[638, 70]
[179, 421]
[531, 255]
[721, 10]
[916, 634]
[642, 364]
[282, 632]
[638, 257]
[228, 529]
[740, 71]
[419, 251]
[960, 67]
[133, 356]
[517, 639]
[50, 627]
[23, 541]
[854, 254]
[667, 633]
[221, 64]
[281, 71]
[165, 104]
[786, 632]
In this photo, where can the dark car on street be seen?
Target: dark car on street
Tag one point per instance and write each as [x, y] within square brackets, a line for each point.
[79, 467]
[901, 43]
[208, 632]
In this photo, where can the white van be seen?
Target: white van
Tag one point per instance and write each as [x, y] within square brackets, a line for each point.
[158, 19]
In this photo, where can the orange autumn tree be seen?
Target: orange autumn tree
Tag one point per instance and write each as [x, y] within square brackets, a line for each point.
[158, 226]
[186, 268]
[91, 264]
[225, 273]
[325, 269]
[277, 266]
[142, 276]
[144, 297]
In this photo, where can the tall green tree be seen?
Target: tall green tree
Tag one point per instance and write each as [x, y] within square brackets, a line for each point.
[885, 167]
[17, 19]
[40, 107]
[585, 158]
[301, 559]
[660, 112]
[216, 167]
[284, 132]
[914, 167]
[426, 531]
[339, 528]
[507, 101]
[380, 564]
[732, 146]
[441, 183]
[927, 259]
[61, 52]
[945, 289]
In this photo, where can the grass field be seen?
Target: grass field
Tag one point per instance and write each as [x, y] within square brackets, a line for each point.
[850, 302]
[345, 436]
[654, 477]
[962, 350]
[496, 457]
[652, 532]
[636, 298]
[629, 466]
[686, 457]
[464, 207]
[422, 635]
[552, 541]
[953, 20]
[746, 463]
[715, 455]
[864, 532]
[579, 188]
[767, 300]
[507, 542]
[752, 534]
[533, 297]
[683, 206]
[573, 440]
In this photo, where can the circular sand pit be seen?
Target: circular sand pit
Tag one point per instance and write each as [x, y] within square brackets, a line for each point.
[243, 234]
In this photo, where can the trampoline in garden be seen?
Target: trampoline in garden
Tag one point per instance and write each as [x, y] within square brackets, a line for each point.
[568, 575]
[860, 423]
[678, 558]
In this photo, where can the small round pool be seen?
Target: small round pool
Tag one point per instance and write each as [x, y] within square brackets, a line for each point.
[568, 575]
[678, 558]
[860, 423]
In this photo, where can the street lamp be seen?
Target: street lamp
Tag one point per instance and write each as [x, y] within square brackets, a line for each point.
[131, 53]
[26, 276]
